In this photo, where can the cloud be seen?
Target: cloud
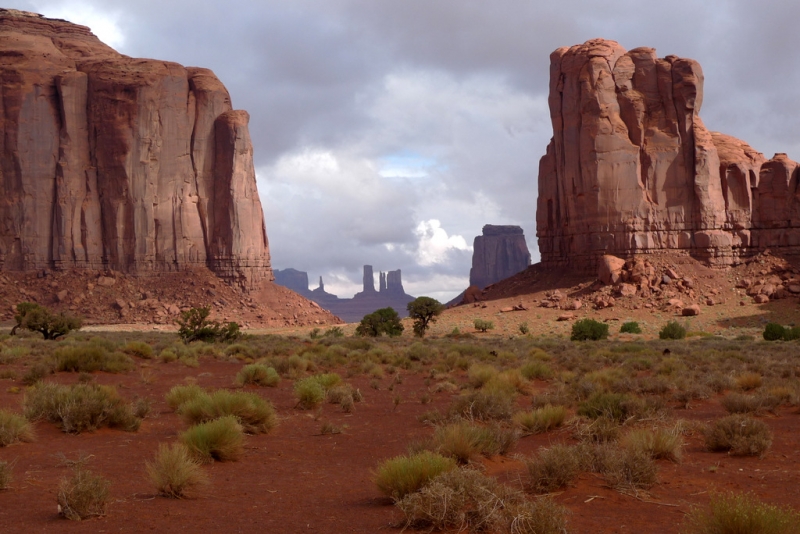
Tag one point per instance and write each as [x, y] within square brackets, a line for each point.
[434, 243]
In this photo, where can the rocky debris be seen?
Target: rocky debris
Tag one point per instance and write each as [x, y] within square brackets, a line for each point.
[761, 299]
[473, 294]
[149, 168]
[609, 269]
[631, 168]
[499, 253]
[566, 317]
[691, 310]
[516, 307]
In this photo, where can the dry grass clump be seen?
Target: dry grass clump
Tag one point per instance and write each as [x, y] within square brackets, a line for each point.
[255, 414]
[466, 499]
[465, 441]
[83, 495]
[180, 394]
[14, 428]
[483, 406]
[89, 357]
[311, 391]
[741, 435]
[601, 430]
[739, 403]
[537, 369]
[658, 443]
[541, 420]
[401, 475]
[749, 380]
[734, 513]
[221, 439]
[625, 467]
[259, 375]
[80, 407]
[554, 468]
[175, 473]
[345, 396]
[480, 374]
[617, 406]
[6, 469]
[139, 349]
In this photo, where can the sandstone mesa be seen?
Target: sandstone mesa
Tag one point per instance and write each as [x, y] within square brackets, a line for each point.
[632, 169]
[110, 162]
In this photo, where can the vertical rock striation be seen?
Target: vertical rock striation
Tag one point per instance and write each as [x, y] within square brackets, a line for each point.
[111, 162]
[497, 254]
[631, 167]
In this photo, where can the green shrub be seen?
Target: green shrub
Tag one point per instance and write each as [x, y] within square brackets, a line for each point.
[14, 428]
[180, 394]
[626, 467]
[309, 393]
[253, 413]
[424, 310]
[88, 357]
[401, 475]
[31, 316]
[774, 332]
[672, 330]
[139, 349]
[589, 329]
[83, 495]
[174, 472]
[523, 329]
[334, 331]
[553, 468]
[541, 420]
[221, 439]
[194, 325]
[630, 327]
[482, 325]
[536, 370]
[740, 434]
[258, 374]
[616, 406]
[79, 408]
[734, 513]
[480, 374]
[383, 321]
[464, 441]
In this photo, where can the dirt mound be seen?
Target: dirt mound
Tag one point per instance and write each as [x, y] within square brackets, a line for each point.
[115, 298]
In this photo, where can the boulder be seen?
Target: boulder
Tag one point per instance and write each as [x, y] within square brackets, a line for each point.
[609, 269]
[761, 299]
[692, 309]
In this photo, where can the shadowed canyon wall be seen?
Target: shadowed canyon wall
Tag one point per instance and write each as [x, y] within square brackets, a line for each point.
[631, 167]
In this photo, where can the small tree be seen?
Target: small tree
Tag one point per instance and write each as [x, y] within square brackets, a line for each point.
[32, 316]
[586, 329]
[631, 327]
[383, 321]
[482, 325]
[672, 330]
[424, 311]
[194, 325]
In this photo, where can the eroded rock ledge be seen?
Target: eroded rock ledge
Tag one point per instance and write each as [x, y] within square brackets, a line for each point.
[111, 162]
[632, 169]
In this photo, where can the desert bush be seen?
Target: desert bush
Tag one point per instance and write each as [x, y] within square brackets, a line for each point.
[466, 499]
[79, 408]
[523, 329]
[31, 316]
[672, 330]
[553, 468]
[658, 443]
[541, 419]
[630, 327]
[424, 310]
[83, 495]
[221, 439]
[732, 513]
[740, 434]
[602, 430]
[738, 403]
[536, 369]
[749, 380]
[175, 473]
[483, 406]
[464, 441]
[180, 394]
[626, 467]
[309, 393]
[401, 475]
[774, 332]
[618, 406]
[480, 374]
[258, 374]
[139, 349]
[88, 357]
[482, 325]
[194, 325]
[14, 428]
[253, 413]
[589, 329]
[383, 321]
[334, 331]
[6, 474]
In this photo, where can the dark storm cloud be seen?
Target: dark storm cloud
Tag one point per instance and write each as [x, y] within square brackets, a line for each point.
[339, 91]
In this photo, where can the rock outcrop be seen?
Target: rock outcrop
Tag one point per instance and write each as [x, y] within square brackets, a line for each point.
[110, 162]
[631, 167]
[497, 254]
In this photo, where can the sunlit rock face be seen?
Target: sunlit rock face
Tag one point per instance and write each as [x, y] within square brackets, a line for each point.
[631, 167]
[112, 162]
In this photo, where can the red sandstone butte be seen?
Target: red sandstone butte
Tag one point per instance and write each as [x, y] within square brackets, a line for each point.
[631, 167]
[112, 162]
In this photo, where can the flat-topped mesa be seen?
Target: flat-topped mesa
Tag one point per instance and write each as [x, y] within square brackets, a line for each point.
[632, 169]
[110, 162]
[497, 254]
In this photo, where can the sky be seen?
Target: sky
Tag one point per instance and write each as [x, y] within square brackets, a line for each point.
[389, 132]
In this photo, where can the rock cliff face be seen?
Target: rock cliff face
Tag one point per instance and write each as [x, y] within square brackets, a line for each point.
[632, 169]
[497, 254]
[111, 162]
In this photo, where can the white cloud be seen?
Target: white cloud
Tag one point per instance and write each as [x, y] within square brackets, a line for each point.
[434, 243]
